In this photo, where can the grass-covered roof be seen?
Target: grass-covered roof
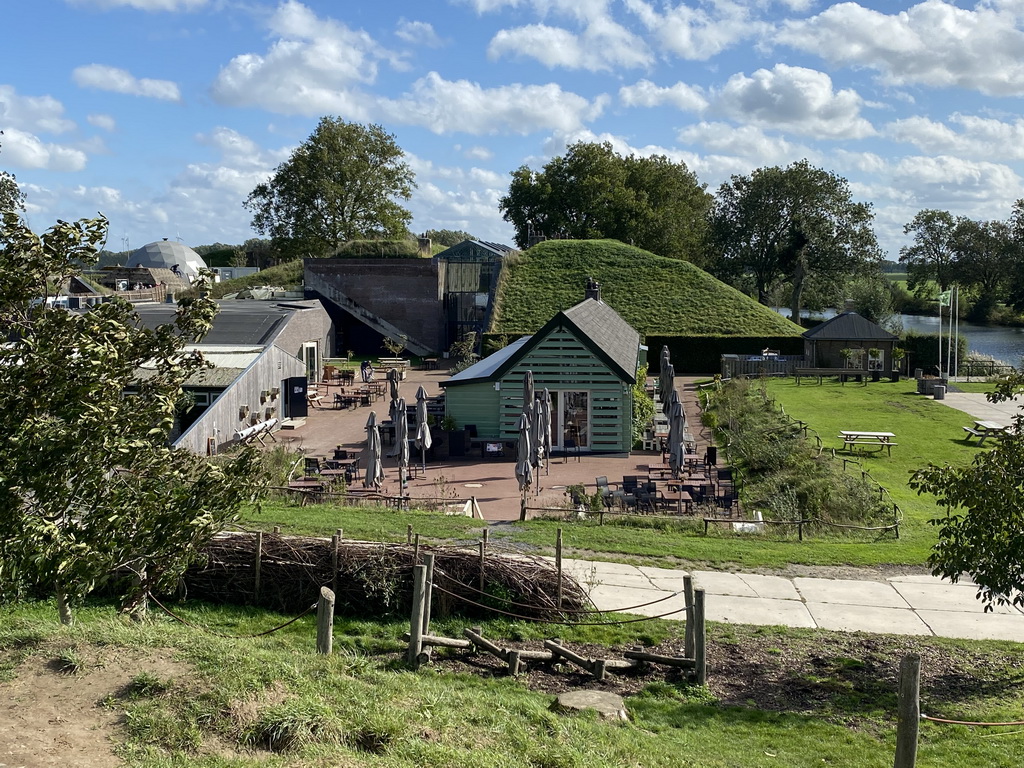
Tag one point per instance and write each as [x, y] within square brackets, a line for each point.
[655, 295]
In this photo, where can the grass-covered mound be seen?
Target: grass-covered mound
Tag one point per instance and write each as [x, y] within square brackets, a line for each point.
[656, 295]
[287, 275]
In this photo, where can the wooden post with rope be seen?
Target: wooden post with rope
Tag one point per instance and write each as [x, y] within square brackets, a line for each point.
[258, 566]
[325, 621]
[335, 557]
[700, 638]
[688, 601]
[419, 583]
[558, 568]
[428, 561]
[909, 709]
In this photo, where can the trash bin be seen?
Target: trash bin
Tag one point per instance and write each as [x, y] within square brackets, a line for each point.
[939, 392]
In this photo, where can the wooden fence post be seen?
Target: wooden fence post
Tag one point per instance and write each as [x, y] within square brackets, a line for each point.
[688, 632]
[558, 567]
[909, 709]
[428, 599]
[408, 534]
[483, 555]
[416, 550]
[325, 621]
[258, 566]
[416, 622]
[335, 556]
[700, 638]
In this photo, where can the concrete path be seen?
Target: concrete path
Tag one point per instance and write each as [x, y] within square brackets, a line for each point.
[903, 605]
[975, 404]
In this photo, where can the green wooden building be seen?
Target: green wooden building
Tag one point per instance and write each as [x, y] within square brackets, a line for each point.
[586, 356]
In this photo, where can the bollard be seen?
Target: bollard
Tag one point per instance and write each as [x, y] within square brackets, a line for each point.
[325, 621]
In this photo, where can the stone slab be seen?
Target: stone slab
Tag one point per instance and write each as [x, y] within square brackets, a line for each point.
[844, 617]
[610, 706]
[777, 587]
[849, 592]
[627, 599]
[975, 626]
[945, 597]
[761, 611]
[717, 583]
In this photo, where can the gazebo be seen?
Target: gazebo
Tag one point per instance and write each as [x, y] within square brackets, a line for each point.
[850, 341]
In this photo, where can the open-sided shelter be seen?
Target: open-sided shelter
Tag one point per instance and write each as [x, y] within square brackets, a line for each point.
[849, 341]
[586, 356]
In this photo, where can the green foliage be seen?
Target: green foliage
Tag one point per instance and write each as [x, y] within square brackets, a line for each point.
[88, 483]
[796, 225]
[340, 184]
[287, 275]
[378, 249]
[643, 406]
[448, 237]
[11, 196]
[922, 349]
[292, 725]
[395, 346]
[655, 295]
[592, 193]
[980, 532]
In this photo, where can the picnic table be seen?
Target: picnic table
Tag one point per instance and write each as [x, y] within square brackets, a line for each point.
[861, 438]
[984, 430]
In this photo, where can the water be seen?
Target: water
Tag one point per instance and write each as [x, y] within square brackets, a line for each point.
[997, 341]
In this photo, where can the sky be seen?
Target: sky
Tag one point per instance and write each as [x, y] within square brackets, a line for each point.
[164, 114]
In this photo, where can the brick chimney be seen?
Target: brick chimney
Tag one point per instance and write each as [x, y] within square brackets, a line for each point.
[593, 289]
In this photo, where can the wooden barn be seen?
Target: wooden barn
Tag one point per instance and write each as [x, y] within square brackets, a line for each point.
[850, 341]
[586, 356]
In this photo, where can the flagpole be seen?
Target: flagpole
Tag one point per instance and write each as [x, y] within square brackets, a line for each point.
[949, 338]
[956, 367]
[940, 331]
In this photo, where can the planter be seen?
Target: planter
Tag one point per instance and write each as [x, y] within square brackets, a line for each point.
[876, 375]
[926, 386]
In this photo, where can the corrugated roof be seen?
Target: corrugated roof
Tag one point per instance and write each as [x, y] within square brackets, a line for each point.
[237, 322]
[849, 326]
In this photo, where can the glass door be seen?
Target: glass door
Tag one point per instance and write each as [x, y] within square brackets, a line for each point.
[570, 419]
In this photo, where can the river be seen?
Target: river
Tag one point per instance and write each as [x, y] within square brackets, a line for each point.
[996, 341]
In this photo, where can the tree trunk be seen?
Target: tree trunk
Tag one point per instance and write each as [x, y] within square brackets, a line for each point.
[136, 603]
[63, 606]
[799, 273]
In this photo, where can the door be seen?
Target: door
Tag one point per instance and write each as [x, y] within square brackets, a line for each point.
[570, 419]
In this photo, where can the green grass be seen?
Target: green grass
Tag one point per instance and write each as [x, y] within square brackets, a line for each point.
[273, 701]
[653, 294]
[288, 275]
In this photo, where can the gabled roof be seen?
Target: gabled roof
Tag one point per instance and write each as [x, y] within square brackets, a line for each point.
[469, 249]
[598, 326]
[849, 326]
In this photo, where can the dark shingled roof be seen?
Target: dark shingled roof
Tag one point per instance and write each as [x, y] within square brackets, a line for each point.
[849, 326]
[601, 329]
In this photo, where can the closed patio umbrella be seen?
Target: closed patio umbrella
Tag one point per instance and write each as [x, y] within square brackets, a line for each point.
[545, 418]
[669, 388]
[423, 439]
[524, 456]
[676, 427]
[537, 440]
[374, 469]
[402, 443]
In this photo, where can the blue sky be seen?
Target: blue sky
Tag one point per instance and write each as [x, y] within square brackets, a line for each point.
[164, 114]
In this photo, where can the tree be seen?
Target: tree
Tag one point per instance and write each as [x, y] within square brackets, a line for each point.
[341, 183]
[11, 196]
[448, 237]
[89, 486]
[592, 192]
[930, 258]
[985, 256]
[979, 535]
[792, 225]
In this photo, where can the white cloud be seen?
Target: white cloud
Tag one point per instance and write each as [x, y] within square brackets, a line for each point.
[313, 68]
[22, 149]
[37, 114]
[418, 33]
[644, 93]
[933, 43]
[446, 106]
[106, 122]
[695, 33]
[105, 78]
[796, 99]
[478, 153]
[603, 45]
[746, 142]
[144, 5]
[979, 137]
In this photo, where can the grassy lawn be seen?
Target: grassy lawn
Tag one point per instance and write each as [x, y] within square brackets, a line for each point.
[181, 697]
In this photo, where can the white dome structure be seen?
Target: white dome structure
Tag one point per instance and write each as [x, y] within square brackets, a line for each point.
[168, 254]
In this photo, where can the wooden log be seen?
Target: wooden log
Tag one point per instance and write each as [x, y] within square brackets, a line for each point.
[656, 658]
[408, 534]
[600, 669]
[558, 568]
[909, 710]
[479, 641]
[428, 600]
[325, 622]
[416, 550]
[483, 559]
[416, 621]
[700, 639]
[441, 642]
[513, 662]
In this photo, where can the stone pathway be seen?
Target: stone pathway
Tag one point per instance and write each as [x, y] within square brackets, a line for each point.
[904, 605]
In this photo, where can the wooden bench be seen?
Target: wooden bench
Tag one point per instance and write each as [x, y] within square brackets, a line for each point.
[971, 431]
[398, 363]
[820, 373]
[850, 442]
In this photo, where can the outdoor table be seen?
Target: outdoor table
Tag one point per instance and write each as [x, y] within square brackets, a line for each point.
[984, 430]
[311, 489]
[853, 438]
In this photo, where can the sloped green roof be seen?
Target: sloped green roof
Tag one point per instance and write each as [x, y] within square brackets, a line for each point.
[655, 295]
